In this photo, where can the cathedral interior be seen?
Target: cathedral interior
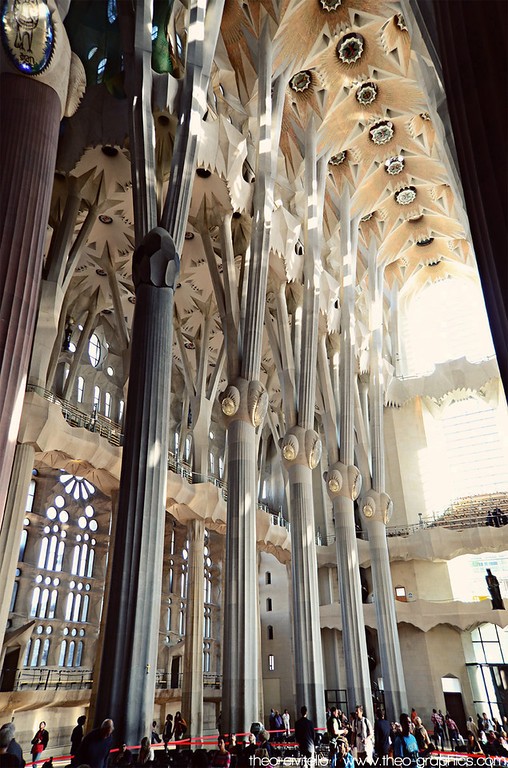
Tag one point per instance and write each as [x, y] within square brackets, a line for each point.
[253, 361]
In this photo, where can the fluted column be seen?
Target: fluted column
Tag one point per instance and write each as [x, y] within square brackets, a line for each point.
[376, 507]
[343, 484]
[35, 95]
[126, 686]
[10, 534]
[192, 685]
[301, 453]
[244, 406]
[28, 144]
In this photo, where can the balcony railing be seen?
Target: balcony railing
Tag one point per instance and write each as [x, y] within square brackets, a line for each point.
[95, 422]
[42, 678]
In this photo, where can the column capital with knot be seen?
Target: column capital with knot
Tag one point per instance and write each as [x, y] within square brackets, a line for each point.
[300, 446]
[244, 400]
[376, 506]
[343, 480]
[155, 261]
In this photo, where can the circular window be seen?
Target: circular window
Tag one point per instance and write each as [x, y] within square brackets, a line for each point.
[93, 525]
[55, 529]
[46, 529]
[38, 579]
[72, 584]
[63, 516]
[56, 582]
[87, 587]
[47, 580]
[63, 534]
[59, 501]
[110, 371]
[49, 630]
[26, 521]
[66, 631]
[80, 586]
[350, 48]
[81, 632]
[89, 510]
[51, 513]
[82, 522]
[39, 630]
[73, 632]
[86, 537]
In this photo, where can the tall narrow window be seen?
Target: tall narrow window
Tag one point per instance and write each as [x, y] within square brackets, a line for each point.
[270, 632]
[271, 662]
[121, 407]
[268, 603]
[107, 404]
[81, 389]
[97, 397]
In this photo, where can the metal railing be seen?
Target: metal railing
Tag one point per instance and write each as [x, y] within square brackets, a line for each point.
[95, 422]
[42, 678]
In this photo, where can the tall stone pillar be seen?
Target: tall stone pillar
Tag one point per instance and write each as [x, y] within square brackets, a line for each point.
[244, 406]
[30, 120]
[192, 685]
[344, 481]
[343, 484]
[376, 507]
[34, 97]
[126, 686]
[10, 533]
[301, 453]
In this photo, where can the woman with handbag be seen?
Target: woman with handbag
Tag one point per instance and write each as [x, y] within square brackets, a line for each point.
[39, 742]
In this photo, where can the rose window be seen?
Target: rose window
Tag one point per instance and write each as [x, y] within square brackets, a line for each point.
[338, 159]
[301, 81]
[405, 196]
[330, 5]
[394, 165]
[382, 133]
[350, 48]
[366, 93]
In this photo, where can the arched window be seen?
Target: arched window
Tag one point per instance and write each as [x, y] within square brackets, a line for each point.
[63, 651]
[84, 609]
[45, 652]
[79, 654]
[268, 577]
[81, 389]
[270, 632]
[22, 544]
[35, 601]
[43, 606]
[41, 563]
[268, 603]
[107, 404]
[70, 654]
[121, 406]
[35, 653]
[30, 497]
[97, 397]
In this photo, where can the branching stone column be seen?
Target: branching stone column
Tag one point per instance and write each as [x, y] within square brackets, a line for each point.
[244, 405]
[10, 534]
[376, 509]
[126, 685]
[301, 453]
[343, 479]
[343, 484]
[192, 685]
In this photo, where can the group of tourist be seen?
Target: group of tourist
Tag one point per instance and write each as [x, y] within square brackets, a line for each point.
[347, 739]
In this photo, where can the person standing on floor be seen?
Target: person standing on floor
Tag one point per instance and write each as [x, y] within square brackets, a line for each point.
[305, 735]
[39, 742]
